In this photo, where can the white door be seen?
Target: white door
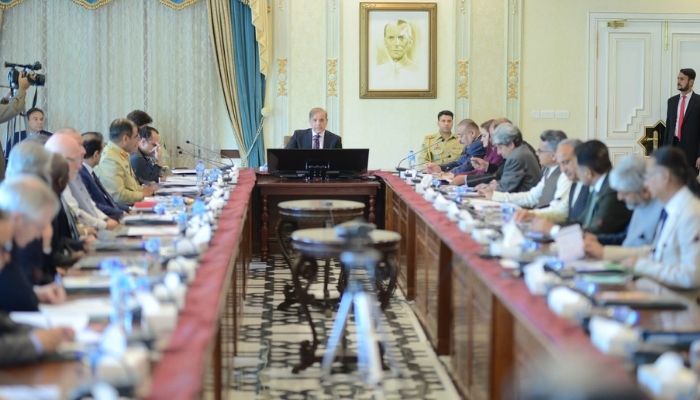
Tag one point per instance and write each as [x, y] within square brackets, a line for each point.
[635, 60]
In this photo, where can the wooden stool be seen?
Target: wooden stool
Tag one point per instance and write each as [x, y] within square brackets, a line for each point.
[323, 243]
[309, 213]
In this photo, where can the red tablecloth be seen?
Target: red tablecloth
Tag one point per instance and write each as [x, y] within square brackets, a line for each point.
[180, 373]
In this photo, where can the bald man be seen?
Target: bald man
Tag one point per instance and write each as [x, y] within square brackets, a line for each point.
[67, 142]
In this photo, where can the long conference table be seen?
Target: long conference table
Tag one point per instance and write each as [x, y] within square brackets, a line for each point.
[205, 337]
[484, 319]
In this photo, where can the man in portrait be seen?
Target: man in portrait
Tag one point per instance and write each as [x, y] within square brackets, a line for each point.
[397, 70]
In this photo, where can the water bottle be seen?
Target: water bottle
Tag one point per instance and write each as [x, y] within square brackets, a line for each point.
[199, 168]
[121, 289]
[411, 159]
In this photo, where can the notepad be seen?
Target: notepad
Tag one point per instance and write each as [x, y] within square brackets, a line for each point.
[178, 190]
[149, 219]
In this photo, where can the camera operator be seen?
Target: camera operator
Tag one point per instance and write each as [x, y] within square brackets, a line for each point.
[11, 107]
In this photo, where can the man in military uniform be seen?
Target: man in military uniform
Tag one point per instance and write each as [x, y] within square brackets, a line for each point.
[442, 147]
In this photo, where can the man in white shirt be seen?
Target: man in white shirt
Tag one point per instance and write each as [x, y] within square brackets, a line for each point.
[675, 255]
[551, 194]
[76, 195]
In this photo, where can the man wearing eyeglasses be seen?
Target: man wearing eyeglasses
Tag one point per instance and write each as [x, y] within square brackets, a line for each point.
[551, 194]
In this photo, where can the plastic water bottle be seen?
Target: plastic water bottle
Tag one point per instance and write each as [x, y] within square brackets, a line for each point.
[411, 159]
[199, 168]
[121, 289]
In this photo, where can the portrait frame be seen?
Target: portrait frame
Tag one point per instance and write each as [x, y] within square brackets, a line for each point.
[398, 50]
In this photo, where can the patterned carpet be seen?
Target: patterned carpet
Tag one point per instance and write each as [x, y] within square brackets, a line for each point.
[269, 348]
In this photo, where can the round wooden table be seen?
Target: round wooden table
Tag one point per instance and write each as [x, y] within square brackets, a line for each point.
[310, 213]
[324, 243]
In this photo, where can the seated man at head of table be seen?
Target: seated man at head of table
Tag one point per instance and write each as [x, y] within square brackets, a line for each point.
[441, 147]
[316, 137]
[93, 143]
[674, 258]
[31, 205]
[470, 137]
[627, 177]
[114, 169]
[552, 191]
[19, 343]
[521, 171]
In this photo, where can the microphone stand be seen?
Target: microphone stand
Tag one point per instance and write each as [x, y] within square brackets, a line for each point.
[218, 164]
[423, 150]
[206, 149]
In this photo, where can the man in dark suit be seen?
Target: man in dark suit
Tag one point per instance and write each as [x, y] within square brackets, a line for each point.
[35, 130]
[604, 212]
[683, 119]
[93, 143]
[21, 343]
[316, 137]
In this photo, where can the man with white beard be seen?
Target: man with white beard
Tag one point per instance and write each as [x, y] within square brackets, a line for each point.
[627, 178]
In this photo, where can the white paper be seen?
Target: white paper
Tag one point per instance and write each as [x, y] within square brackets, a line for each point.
[39, 392]
[153, 231]
[512, 236]
[47, 320]
[147, 218]
[184, 171]
[177, 190]
[569, 242]
[89, 306]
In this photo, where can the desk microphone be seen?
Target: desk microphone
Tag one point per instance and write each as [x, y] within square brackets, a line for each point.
[201, 148]
[423, 150]
[219, 164]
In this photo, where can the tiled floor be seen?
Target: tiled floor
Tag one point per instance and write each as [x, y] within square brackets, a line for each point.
[269, 348]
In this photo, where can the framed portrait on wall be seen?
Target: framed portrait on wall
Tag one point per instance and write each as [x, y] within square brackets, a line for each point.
[398, 50]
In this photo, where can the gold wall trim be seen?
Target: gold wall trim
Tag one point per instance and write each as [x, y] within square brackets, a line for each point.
[332, 74]
[6, 5]
[462, 79]
[281, 77]
[513, 80]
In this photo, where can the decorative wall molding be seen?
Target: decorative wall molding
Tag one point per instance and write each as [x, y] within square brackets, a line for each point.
[332, 77]
[513, 80]
[279, 117]
[332, 56]
[514, 33]
[462, 80]
[281, 77]
[462, 54]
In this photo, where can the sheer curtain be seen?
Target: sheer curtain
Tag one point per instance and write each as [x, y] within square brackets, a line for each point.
[135, 54]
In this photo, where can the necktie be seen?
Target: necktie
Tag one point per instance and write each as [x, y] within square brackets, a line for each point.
[103, 190]
[590, 210]
[662, 221]
[681, 117]
[316, 142]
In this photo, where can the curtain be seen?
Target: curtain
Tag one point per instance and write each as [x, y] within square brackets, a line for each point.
[251, 82]
[222, 40]
[126, 55]
[263, 32]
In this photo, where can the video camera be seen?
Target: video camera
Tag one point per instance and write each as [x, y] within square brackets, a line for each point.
[34, 78]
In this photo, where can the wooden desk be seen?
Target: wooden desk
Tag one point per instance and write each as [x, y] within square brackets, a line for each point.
[484, 319]
[271, 190]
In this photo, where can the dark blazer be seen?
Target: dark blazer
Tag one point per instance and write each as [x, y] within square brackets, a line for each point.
[576, 208]
[610, 215]
[20, 136]
[145, 167]
[690, 132]
[100, 196]
[521, 171]
[464, 163]
[15, 345]
[16, 289]
[301, 139]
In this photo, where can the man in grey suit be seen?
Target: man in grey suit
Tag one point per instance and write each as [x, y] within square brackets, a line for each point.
[521, 171]
[21, 343]
[316, 137]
